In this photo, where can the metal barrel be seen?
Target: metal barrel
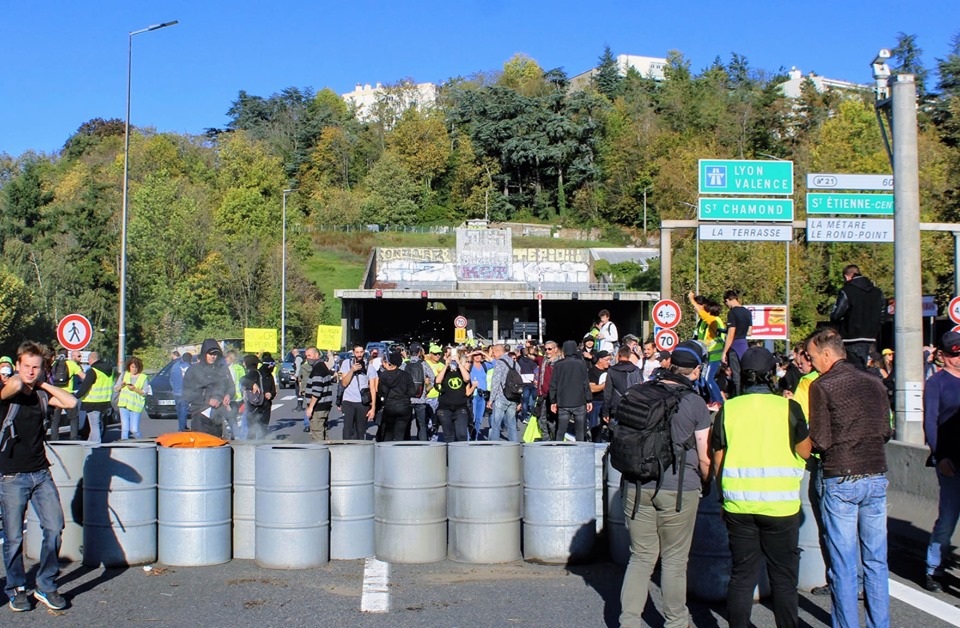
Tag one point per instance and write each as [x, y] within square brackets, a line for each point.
[558, 502]
[245, 496]
[599, 454]
[66, 468]
[618, 537]
[410, 502]
[351, 499]
[120, 505]
[484, 501]
[813, 571]
[194, 505]
[292, 506]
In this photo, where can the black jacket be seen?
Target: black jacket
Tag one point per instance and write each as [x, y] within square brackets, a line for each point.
[570, 382]
[859, 310]
[396, 387]
[203, 382]
[620, 377]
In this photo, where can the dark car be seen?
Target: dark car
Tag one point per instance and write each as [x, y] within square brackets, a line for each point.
[285, 374]
[160, 402]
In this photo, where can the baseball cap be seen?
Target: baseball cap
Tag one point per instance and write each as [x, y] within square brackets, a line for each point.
[758, 360]
[664, 355]
[890, 351]
[688, 354]
[950, 343]
[415, 347]
[602, 354]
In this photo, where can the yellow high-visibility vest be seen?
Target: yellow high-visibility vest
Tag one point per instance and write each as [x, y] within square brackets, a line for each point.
[128, 399]
[102, 389]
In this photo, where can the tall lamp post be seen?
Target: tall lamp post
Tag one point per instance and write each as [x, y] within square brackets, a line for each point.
[122, 323]
[283, 279]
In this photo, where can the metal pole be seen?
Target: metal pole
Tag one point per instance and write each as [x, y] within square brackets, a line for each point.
[283, 280]
[122, 318]
[956, 266]
[666, 263]
[645, 216]
[908, 320]
[786, 321]
[539, 300]
[697, 288]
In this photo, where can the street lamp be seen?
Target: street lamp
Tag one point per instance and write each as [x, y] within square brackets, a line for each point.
[122, 323]
[283, 279]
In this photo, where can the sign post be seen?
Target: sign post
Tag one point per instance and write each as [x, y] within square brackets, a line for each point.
[74, 332]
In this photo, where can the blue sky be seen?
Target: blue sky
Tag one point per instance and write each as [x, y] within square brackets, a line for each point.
[64, 61]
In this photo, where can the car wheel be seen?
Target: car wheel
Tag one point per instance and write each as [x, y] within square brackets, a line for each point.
[155, 416]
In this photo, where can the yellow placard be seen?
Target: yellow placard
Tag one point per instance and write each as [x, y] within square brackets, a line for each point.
[329, 337]
[259, 340]
[459, 335]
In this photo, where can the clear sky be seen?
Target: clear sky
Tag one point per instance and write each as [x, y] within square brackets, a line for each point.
[64, 61]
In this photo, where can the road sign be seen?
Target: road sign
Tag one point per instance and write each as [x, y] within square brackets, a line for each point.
[460, 322]
[849, 230]
[459, 334]
[745, 209]
[666, 340]
[850, 203]
[769, 322]
[732, 176]
[751, 232]
[954, 309]
[666, 313]
[956, 329]
[74, 332]
[929, 306]
[850, 182]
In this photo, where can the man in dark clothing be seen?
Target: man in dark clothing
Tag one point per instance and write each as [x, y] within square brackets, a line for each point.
[739, 321]
[208, 388]
[597, 373]
[858, 312]
[319, 390]
[395, 387]
[570, 396]
[621, 376]
[849, 426]
[252, 385]
[269, 385]
[95, 393]
[177, 371]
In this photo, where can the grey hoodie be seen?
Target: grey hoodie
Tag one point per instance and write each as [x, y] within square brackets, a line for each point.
[203, 382]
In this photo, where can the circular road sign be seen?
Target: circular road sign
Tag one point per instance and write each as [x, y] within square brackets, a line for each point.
[666, 314]
[460, 322]
[666, 340]
[74, 332]
[954, 309]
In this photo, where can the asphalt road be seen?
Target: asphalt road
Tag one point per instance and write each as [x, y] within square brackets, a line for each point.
[239, 593]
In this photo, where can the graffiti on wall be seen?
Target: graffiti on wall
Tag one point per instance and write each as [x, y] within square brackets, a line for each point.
[409, 265]
[484, 255]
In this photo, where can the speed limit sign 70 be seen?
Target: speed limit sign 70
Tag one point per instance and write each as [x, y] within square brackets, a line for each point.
[666, 340]
[666, 313]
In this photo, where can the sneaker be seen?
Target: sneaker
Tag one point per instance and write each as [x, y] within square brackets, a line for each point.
[931, 584]
[52, 599]
[824, 590]
[19, 601]
[306, 429]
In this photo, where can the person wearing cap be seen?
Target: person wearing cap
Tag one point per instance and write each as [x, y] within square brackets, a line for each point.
[597, 375]
[658, 530]
[941, 428]
[849, 426]
[433, 360]
[760, 442]
[396, 387]
[208, 389]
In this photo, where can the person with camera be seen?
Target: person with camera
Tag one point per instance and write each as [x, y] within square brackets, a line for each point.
[455, 387]
[357, 406]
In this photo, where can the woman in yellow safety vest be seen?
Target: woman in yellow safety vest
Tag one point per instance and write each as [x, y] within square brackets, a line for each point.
[132, 398]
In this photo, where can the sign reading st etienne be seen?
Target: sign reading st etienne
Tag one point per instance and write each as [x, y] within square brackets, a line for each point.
[849, 230]
[850, 182]
[733, 176]
[850, 203]
[747, 232]
[745, 209]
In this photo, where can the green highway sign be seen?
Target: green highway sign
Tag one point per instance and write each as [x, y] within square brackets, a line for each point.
[850, 203]
[738, 176]
[730, 208]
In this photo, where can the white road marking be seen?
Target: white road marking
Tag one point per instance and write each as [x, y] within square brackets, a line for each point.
[288, 398]
[276, 405]
[376, 592]
[926, 603]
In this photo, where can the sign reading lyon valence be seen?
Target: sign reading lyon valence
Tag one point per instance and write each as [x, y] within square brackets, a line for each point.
[738, 176]
[849, 229]
[749, 232]
[745, 209]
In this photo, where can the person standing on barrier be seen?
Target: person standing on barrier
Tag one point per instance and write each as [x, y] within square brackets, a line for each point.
[26, 477]
[858, 312]
[659, 521]
[941, 427]
[849, 426]
[760, 441]
[208, 388]
[739, 322]
[454, 388]
[570, 395]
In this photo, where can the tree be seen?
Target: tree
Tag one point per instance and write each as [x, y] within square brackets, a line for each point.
[607, 78]
[421, 143]
[908, 59]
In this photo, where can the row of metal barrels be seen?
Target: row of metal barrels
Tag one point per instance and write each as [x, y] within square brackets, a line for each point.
[298, 506]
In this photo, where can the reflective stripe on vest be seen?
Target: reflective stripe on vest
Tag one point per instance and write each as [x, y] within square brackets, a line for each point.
[102, 389]
[761, 473]
[129, 399]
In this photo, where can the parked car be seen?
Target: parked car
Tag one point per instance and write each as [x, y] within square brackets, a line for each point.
[159, 399]
[285, 374]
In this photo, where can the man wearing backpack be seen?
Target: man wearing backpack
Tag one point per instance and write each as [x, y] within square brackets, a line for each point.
[570, 396]
[66, 373]
[620, 377]
[504, 402]
[661, 520]
[423, 378]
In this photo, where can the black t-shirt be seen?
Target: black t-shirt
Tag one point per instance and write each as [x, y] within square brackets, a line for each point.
[740, 318]
[453, 391]
[798, 427]
[25, 453]
[594, 374]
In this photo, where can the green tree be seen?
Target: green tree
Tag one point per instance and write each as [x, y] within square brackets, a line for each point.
[607, 78]
[908, 59]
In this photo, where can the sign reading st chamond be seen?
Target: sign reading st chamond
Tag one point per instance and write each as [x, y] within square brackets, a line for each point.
[746, 177]
[745, 209]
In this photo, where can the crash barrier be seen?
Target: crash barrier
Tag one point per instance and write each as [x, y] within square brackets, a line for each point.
[599, 455]
[813, 570]
[194, 505]
[120, 505]
[66, 468]
[351, 499]
[618, 537]
[245, 496]
[410, 522]
[559, 495]
[292, 510]
[484, 501]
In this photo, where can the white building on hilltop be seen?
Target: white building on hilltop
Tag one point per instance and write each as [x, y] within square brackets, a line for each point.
[647, 67]
[791, 88]
[405, 95]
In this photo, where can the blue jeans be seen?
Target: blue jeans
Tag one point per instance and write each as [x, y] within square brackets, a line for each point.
[855, 516]
[504, 411]
[946, 523]
[129, 424]
[183, 413]
[709, 380]
[15, 491]
[529, 401]
[94, 416]
[479, 408]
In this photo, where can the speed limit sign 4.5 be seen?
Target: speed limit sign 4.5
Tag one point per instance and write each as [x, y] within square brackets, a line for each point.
[954, 309]
[666, 340]
[666, 314]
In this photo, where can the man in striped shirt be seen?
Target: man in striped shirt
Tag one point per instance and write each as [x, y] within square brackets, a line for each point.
[320, 392]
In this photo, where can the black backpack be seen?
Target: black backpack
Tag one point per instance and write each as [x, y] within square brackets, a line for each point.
[60, 375]
[642, 448]
[418, 374]
[512, 383]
